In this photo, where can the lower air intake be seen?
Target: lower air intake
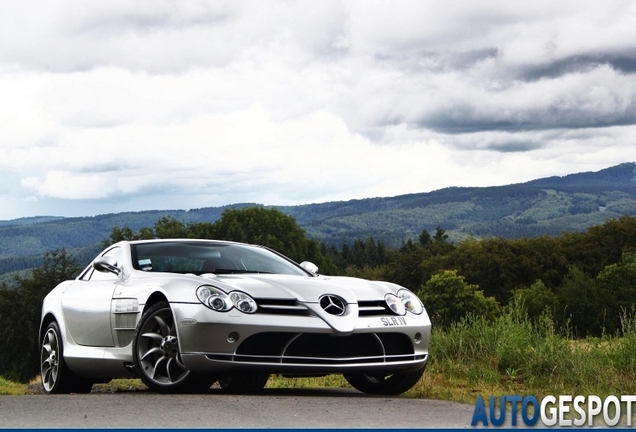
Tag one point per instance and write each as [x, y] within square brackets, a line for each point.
[313, 348]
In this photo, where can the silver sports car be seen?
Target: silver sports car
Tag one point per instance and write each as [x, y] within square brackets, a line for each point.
[183, 314]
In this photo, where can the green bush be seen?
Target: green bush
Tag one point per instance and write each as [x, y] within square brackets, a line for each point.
[537, 299]
[448, 298]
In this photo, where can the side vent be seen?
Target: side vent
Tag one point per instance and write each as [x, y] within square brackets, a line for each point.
[125, 316]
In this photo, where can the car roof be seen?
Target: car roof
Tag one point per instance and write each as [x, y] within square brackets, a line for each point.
[189, 240]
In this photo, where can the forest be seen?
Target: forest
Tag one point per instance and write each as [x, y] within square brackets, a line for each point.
[585, 281]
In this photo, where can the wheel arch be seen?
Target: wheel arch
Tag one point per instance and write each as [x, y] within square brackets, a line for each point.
[46, 320]
[154, 298]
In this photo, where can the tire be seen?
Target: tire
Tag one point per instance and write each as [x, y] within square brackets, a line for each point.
[57, 378]
[157, 357]
[382, 383]
[243, 382]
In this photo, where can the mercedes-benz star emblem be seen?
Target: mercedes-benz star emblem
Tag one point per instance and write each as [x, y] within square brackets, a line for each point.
[333, 305]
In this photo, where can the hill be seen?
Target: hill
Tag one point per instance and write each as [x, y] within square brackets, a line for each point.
[547, 206]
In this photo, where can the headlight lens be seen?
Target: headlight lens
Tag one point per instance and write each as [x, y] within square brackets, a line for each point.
[395, 304]
[243, 302]
[410, 301]
[219, 301]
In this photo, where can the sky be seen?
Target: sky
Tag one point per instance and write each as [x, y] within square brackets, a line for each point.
[119, 105]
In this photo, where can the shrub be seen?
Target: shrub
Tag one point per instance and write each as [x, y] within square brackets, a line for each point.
[448, 298]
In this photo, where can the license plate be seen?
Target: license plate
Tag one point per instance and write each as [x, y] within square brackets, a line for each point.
[393, 321]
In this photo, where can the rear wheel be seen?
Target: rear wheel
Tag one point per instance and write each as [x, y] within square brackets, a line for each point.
[383, 383]
[157, 357]
[56, 376]
[243, 382]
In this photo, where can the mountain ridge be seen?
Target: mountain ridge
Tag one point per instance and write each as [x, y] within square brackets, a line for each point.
[545, 206]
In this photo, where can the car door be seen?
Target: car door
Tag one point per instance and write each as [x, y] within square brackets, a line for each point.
[86, 305]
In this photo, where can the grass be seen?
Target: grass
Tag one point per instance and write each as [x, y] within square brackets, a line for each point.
[120, 385]
[11, 388]
[510, 355]
[329, 381]
[516, 355]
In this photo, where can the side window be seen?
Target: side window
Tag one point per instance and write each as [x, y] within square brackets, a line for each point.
[98, 276]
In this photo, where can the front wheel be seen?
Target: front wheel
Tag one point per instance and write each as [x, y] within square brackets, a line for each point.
[56, 376]
[157, 357]
[382, 383]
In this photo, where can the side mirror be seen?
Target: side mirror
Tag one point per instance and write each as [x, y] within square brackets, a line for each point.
[310, 267]
[106, 264]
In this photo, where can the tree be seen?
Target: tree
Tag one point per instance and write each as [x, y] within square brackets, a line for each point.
[20, 309]
[448, 298]
[425, 238]
[581, 303]
[536, 299]
[362, 253]
[274, 229]
[118, 234]
[257, 225]
[601, 245]
[405, 266]
[169, 227]
[500, 266]
[617, 284]
[267, 227]
[440, 234]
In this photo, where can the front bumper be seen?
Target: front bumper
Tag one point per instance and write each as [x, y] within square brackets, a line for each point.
[215, 342]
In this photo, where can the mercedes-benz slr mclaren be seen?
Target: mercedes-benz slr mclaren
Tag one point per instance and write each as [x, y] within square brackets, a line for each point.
[184, 314]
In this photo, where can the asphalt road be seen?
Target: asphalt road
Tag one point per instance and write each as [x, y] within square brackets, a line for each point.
[272, 408]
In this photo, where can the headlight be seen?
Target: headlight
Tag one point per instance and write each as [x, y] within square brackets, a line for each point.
[214, 298]
[410, 301]
[243, 302]
[395, 304]
[219, 301]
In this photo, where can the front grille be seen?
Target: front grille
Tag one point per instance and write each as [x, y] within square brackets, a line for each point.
[282, 307]
[373, 307]
[323, 349]
[293, 307]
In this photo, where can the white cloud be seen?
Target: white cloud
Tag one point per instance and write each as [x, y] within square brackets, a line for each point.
[68, 185]
[112, 106]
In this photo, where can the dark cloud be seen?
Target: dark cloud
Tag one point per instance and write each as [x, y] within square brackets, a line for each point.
[514, 147]
[418, 59]
[447, 125]
[468, 91]
[551, 117]
[624, 63]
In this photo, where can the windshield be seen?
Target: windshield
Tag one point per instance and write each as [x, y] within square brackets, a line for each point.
[209, 257]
